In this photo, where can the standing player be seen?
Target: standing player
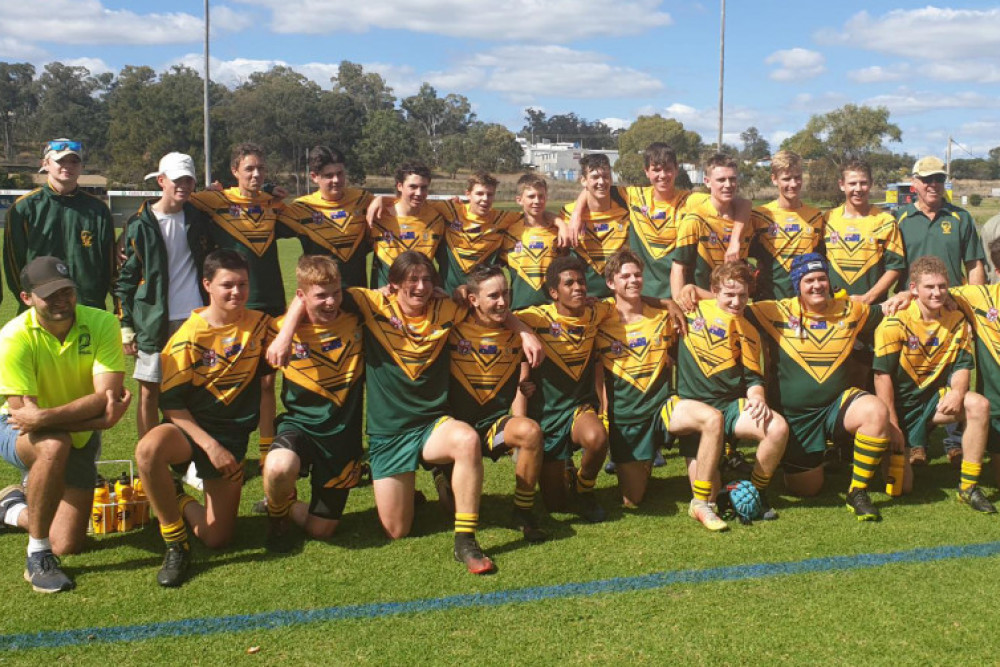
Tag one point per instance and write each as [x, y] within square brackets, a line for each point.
[605, 222]
[565, 401]
[409, 224]
[249, 220]
[61, 220]
[159, 283]
[530, 244]
[719, 364]
[923, 366]
[322, 391]
[633, 348]
[331, 221]
[485, 372]
[707, 232]
[808, 338]
[210, 396]
[783, 229]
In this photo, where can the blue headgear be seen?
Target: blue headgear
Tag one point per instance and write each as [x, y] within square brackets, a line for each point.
[808, 263]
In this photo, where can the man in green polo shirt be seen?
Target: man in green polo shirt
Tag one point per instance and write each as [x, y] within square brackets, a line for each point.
[61, 220]
[52, 426]
[934, 226]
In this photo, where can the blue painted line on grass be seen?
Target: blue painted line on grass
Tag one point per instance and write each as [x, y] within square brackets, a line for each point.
[280, 619]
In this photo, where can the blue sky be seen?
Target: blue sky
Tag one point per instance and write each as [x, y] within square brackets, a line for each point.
[936, 67]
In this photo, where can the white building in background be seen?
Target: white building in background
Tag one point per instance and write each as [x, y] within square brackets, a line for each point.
[558, 160]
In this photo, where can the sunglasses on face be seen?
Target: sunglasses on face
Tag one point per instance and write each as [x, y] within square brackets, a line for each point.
[934, 178]
[59, 146]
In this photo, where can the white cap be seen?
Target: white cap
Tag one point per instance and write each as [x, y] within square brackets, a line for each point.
[174, 166]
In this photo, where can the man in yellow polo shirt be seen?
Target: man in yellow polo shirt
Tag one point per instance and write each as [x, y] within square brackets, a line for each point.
[61, 373]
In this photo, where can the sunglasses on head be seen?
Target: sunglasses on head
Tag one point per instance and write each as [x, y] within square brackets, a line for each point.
[59, 146]
[933, 178]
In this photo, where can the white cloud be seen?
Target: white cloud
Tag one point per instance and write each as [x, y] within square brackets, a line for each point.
[93, 65]
[524, 20]
[617, 123]
[12, 49]
[879, 74]
[89, 22]
[905, 101]
[796, 64]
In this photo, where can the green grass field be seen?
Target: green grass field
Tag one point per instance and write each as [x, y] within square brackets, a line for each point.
[899, 613]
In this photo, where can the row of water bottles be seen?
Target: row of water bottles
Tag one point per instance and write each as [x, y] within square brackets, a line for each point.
[119, 505]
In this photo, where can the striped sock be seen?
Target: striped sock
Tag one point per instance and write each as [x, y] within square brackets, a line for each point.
[466, 522]
[970, 475]
[524, 500]
[264, 446]
[278, 510]
[584, 485]
[868, 452]
[702, 489]
[183, 499]
[174, 532]
[759, 479]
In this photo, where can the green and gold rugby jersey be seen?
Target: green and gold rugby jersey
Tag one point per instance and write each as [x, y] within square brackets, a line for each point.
[637, 364]
[213, 372]
[565, 379]
[406, 363]
[334, 228]
[920, 355]
[702, 239]
[860, 250]
[653, 232]
[485, 370]
[469, 240]
[778, 236]
[810, 350]
[719, 358]
[604, 234]
[393, 235]
[981, 305]
[322, 388]
[527, 251]
[250, 226]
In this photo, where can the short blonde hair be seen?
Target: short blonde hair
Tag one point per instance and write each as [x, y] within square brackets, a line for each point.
[316, 270]
[786, 161]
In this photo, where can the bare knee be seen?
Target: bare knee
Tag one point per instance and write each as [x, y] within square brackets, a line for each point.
[526, 434]
[977, 407]
[217, 539]
[395, 530]
[63, 545]
[804, 484]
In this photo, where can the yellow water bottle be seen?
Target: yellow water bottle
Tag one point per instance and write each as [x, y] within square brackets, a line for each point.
[140, 503]
[894, 480]
[123, 501]
[103, 516]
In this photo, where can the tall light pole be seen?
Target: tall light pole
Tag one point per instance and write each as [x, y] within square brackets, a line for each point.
[722, 66]
[207, 120]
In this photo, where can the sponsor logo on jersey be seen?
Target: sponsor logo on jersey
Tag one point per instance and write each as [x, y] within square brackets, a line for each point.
[946, 226]
[87, 238]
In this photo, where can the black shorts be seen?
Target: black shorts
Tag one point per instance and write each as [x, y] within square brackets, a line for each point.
[332, 477]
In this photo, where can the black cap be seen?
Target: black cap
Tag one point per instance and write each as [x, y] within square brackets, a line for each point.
[44, 276]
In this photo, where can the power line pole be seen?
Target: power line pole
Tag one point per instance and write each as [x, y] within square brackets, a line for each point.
[207, 120]
[722, 67]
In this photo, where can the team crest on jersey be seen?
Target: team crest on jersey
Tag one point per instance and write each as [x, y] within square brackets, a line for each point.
[992, 314]
[235, 211]
[518, 247]
[300, 350]
[617, 347]
[465, 346]
[698, 324]
[913, 343]
[772, 229]
[87, 238]
[555, 329]
[455, 225]
[209, 358]
[331, 344]
[794, 323]
[395, 322]
[834, 237]
[713, 238]
[317, 217]
[946, 227]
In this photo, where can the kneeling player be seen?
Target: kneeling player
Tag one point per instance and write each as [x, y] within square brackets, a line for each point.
[485, 370]
[923, 366]
[322, 390]
[642, 414]
[809, 338]
[210, 396]
[719, 363]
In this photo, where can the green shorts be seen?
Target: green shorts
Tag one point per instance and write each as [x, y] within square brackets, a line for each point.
[808, 432]
[917, 420]
[640, 441]
[559, 439]
[993, 435]
[731, 412]
[397, 454]
[235, 444]
[491, 440]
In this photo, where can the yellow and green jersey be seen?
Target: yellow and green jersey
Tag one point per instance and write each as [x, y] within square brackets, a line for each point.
[636, 364]
[35, 363]
[719, 358]
[334, 228]
[485, 369]
[653, 231]
[604, 234]
[981, 305]
[527, 251]
[406, 362]
[565, 379]
[778, 236]
[322, 388]
[250, 226]
[810, 350]
[393, 235]
[702, 240]
[213, 372]
[469, 240]
[920, 355]
[860, 250]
